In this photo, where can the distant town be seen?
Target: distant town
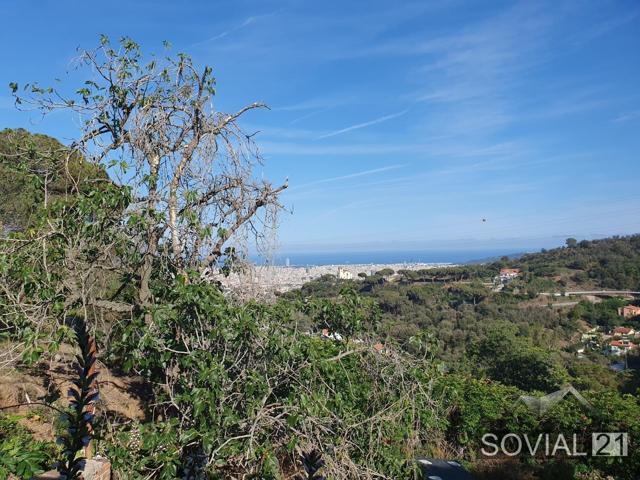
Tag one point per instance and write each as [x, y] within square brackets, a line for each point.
[264, 282]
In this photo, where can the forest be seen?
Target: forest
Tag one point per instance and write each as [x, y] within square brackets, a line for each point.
[113, 341]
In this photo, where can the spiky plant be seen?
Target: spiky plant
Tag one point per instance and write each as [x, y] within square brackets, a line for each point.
[312, 462]
[80, 418]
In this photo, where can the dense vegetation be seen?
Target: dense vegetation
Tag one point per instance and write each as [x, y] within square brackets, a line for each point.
[457, 314]
[428, 361]
[459, 305]
[509, 335]
[37, 170]
[612, 263]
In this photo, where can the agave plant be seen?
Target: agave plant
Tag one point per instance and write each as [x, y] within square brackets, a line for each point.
[80, 418]
[312, 462]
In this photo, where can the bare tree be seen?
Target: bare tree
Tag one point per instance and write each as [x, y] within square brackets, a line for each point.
[190, 170]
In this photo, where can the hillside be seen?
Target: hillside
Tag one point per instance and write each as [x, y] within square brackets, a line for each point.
[35, 168]
[104, 294]
[476, 348]
[612, 263]
[463, 307]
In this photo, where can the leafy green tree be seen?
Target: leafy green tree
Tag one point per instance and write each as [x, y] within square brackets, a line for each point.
[472, 293]
[512, 360]
[347, 315]
[36, 171]
[239, 386]
[151, 123]
[604, 314]
[571, 242]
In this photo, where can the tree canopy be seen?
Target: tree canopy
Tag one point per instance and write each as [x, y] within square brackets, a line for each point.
[36, 170]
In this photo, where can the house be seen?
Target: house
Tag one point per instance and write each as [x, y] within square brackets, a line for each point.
[509, 273]
[590, 335]
[629, 311]
[626, 344]
[624, 331]
[618, 347]
[613, 351]
[344, 274]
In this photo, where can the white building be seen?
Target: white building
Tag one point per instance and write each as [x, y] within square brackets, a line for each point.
[344, 274]
[509, 273]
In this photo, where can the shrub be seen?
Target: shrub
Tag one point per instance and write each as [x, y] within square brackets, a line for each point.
[20, 454]
[241, 391]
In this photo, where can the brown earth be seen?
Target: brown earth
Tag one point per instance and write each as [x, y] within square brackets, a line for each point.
[24, 391]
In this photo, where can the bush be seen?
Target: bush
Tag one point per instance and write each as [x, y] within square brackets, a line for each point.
[20, 454]
[240, 391]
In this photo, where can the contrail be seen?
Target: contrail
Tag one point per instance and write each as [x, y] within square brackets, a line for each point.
[363, 125]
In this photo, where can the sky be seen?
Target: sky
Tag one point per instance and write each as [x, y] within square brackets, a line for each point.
[399, 125]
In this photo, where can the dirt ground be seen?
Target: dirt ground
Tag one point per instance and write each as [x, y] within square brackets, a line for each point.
[121, 396]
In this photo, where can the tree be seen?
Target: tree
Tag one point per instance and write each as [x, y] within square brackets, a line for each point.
[571, 242]
[346, 315]
[473, 292]
[187, 170]
[34, 173]
[514, 361]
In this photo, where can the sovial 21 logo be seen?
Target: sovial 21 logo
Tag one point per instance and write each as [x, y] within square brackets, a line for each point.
[607, 444]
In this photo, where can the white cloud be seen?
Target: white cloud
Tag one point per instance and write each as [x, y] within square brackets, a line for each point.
[350, 176]
[328, 101]
[627, 116]
[247, 21]
[364, 125]
[431, 148]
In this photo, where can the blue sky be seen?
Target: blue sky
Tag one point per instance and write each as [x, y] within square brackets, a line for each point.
[400, 125]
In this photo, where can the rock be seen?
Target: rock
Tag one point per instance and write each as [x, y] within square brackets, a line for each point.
[95, 469]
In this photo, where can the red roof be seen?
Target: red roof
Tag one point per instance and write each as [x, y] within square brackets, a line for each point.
[506, 271]
[622, 343]
[622, 330]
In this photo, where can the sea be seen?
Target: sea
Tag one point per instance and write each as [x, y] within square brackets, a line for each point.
[296, 259]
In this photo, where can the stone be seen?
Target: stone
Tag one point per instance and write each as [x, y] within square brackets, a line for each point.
[96, 469]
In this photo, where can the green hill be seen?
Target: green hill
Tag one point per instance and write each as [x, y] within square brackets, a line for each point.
[612, 263]
[462, 306]
[35, 168]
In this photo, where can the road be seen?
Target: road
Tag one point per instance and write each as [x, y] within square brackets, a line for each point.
[591, 292]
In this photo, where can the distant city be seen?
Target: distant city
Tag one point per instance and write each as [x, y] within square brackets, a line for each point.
[265, 281]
